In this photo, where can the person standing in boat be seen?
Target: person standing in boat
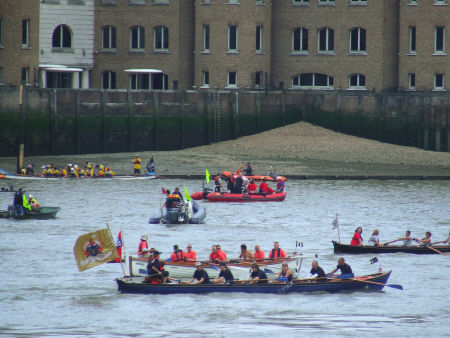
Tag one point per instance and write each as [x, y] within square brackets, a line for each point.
[259, 254]
[249, 170]
[316, 271]
[357, 238]
[257, 275]
[200, 276]
[151, 167]
[246, 255]
[374, 239]
[225, 275]
[285, 273]
[426, 241]
[177, 192]
[238, 182]
[217, 183]
[190, 255]
[343, 267]
[142, 245]
[177, 254]
[18, 202]
[277, 252]
[137, 165]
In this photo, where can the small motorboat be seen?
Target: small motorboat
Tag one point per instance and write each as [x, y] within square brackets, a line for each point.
[258, 197]
[415, 249]
[142, 285]
[41, 212]
[186, 212]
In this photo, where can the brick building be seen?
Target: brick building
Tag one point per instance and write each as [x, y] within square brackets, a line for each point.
[373, 45]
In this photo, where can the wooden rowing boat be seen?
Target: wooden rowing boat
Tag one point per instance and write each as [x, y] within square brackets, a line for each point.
[369, 282]
[356, 249]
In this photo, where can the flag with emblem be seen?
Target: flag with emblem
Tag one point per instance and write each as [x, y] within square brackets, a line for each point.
[119, 245]
[94, 248]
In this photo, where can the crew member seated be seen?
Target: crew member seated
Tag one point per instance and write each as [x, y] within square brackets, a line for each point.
[172, 200]
[263, 187]
[280, 185]
[252, 187]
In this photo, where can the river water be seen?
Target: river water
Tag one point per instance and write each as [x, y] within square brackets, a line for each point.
[43, 294]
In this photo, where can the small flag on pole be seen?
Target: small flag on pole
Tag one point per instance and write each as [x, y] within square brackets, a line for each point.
[94, 248]
[334, 223]
[163, 190]
[186, 193]
[208, 176]
[119, 245]
[374, 260]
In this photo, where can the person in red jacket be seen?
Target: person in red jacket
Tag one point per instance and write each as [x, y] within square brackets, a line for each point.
[252, 187]
[216, 256]
[263, 187]
[190, 255]
[277, 252]
[357, 238]
[143, 245]
[259, 254]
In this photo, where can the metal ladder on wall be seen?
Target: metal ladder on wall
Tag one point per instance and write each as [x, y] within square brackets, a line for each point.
[217, 117]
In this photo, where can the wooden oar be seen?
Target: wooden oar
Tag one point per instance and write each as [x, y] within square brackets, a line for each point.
[431, 248]
[394, 286]
[395, 240]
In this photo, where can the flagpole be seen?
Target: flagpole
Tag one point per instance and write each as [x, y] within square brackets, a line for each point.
[120, 261]
[337, 224]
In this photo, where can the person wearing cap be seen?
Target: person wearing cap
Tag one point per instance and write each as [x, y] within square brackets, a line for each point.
[137, 165]
[142, 245]
[200, 276]
[257, 275]
[246, 255]
[190, 255]
[225, 275]
[156, 269]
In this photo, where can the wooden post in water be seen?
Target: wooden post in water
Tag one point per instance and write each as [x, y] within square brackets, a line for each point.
[437, 130]
[426, 131]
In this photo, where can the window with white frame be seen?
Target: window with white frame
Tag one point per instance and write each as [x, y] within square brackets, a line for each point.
[159, 81]
[312, 81]
[108, 37]
[326, 40]
[412, 39]
[439, 81]
[259, 38]
[25, 33]
[357, 81]
[108, 80]
[232, 80]
[300, 40]
[25, 76]
[358, 2]
[358, 40]
[206, 37]
[412, 2]
[440, 2]
[439, 38]
[233, 2]
[139, 81]
[206, 79]
[62, 37]
[412, 81]
[232, 38]
[323, 2]
[161, 38]
[137, 37]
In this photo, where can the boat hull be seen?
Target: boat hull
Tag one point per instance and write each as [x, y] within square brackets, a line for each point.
[229, 197]
[138, 286]
[180, 216]
[356, 249]
[37, 213]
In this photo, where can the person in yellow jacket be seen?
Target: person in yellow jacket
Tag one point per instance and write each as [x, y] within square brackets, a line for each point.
[32, 201]
[25, 203]
[109, 172]
[137, 165]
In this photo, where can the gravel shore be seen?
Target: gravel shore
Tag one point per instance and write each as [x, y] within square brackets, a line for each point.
[296, 149]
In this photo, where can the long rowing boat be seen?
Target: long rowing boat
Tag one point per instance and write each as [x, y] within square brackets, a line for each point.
[116, 177]
[357, 249]
[137, 266]
[371, 282]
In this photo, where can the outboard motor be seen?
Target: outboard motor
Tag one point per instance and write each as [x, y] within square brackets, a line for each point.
[172, 215]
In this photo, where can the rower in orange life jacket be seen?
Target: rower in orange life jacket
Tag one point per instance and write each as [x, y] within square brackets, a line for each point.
[177, 254]
[277, 252]
[143, 245]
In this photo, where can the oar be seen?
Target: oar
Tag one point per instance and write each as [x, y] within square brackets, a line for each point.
[431, 248]
[395, 240]
[394, 286]
[267, 270]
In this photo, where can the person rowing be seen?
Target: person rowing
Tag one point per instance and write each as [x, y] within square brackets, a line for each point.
[407, 240]
[374, 239]
[285, 274]
[346, 270]
[446, 241]
[257, 275]
[225, 275]
[426, 241]
[357, 238]
[316, 271]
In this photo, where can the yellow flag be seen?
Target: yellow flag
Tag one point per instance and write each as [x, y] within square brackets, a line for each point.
[186, 193]
[93, 249]
[208, 176]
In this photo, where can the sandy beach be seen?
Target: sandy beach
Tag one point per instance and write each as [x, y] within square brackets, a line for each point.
[297, 149]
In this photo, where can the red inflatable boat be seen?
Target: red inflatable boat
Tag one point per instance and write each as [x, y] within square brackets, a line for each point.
[229, 197]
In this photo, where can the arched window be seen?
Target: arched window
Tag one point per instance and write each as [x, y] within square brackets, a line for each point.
[62, 37]
[108, 37]
[357, 81]
[326, 40]
[161, 38]
[108, 80]
[299, 40]
[137, 38]
[358, 39]
[312, 81]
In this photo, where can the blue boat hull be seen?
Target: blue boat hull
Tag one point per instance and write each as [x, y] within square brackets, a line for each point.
[128, 285]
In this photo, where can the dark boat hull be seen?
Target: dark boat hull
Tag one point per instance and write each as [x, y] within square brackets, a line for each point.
[37, 213]
[354, 249]
[229, 197]
[128, 285]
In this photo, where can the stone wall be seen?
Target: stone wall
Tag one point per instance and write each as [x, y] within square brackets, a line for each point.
[70, 121]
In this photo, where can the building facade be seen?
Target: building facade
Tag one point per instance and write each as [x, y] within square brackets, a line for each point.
[364, 45]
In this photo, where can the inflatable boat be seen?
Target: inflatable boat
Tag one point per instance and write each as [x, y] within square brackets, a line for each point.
[187, 212]
[258, 197]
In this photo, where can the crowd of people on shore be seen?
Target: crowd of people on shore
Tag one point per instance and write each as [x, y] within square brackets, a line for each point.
[158, 274]
[407, 239]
